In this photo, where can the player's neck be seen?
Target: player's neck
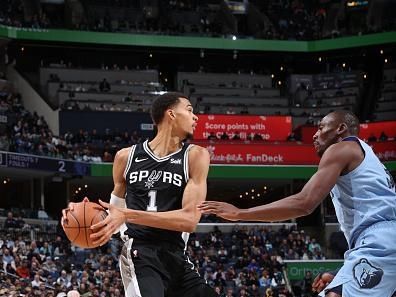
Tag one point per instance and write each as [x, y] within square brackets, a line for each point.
[164, 144]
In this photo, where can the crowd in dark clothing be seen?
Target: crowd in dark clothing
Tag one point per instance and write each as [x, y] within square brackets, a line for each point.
[12, 14]
[285, 20]
[244, 262]
[29, 134]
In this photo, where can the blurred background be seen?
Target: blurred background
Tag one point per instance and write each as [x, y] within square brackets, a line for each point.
[77, 78]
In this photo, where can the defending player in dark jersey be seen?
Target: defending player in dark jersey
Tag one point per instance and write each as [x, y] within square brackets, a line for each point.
[162, 181]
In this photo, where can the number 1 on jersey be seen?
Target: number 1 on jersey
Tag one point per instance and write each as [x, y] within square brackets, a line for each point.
[152, 202]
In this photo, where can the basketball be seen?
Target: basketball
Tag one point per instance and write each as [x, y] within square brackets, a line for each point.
[80, 219]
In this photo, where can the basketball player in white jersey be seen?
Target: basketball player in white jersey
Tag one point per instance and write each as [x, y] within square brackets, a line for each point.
[363, 193]
[157, 185]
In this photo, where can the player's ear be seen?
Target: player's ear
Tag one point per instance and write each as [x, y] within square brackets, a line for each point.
[342, 128]
[171, 113]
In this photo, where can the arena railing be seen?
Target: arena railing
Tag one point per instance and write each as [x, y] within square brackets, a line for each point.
[72, 36]
[32, 230]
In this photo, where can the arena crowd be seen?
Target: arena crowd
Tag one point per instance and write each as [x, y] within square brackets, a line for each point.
[244, 262]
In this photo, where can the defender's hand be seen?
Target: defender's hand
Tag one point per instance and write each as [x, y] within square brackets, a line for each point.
[321, 281]
[222, 209]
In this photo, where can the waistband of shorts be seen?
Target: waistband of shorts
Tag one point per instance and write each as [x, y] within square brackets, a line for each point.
[378, 225]
[156, 244]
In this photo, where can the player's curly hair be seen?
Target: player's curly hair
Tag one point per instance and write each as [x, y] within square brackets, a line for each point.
[162, 103]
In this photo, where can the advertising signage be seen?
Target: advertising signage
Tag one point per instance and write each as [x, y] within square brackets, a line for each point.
[366, 130]
[279, 154]
[262, 154]
[270, 128]
[376, 128]
[296, 269]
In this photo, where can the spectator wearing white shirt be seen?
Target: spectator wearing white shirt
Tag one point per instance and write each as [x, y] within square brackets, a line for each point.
[36, 281]
[63, 280]
[8, 259]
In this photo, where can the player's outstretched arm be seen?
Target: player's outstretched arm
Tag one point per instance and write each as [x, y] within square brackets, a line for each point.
[303, 203]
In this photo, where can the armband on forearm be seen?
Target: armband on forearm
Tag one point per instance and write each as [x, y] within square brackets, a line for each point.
[119, 202]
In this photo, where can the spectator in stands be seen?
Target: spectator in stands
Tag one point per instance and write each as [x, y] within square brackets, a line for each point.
[46, 249]
[383, 136]
[140, 108]
[86, 107]
[4, 142]
[135, 137]
[53, 78]
[269, 293]
[20, 222]
[307, 284]
[36, 282]
[224, 136]
[244, 110]
[229, 293]
[42, 214]
[104, 86]
[314, 246]
[10, 222]
[64, 280]
[230, 110]
[73, 293]
[265, 280]
[49, 266]
[291, 137]
[23, 270]
[127, 98]
[257, 137]
[236, 136]
[310, 121]
[254, 291]
[212, 136]
[107, 157]
[372, 138]
[8, 261]
[60, 248]
[243, 292]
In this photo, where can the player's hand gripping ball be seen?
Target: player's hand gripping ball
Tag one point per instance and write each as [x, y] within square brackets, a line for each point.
[79, 220]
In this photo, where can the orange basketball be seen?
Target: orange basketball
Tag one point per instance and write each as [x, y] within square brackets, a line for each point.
[79, 221]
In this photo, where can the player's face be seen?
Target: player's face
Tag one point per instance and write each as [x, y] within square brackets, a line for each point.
[185, 119]
[326, 134]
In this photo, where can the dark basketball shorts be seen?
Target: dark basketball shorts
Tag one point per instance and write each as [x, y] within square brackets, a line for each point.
[159, 270]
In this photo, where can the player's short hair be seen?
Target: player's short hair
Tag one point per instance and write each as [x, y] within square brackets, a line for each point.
[350, 119]
[164, 102]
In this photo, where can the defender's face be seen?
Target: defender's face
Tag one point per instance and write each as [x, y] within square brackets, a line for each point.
[326, 134]
[185, 119]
